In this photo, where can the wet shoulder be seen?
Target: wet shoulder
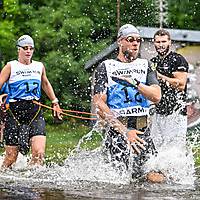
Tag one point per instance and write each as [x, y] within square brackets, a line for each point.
[178, 61]
[174, 57]
[12, 62]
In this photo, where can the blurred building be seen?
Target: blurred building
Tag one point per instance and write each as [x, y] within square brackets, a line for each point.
[185, 42]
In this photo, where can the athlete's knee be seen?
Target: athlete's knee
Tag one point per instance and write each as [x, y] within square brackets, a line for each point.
[10, 156]
[11, 151]
[39, 153]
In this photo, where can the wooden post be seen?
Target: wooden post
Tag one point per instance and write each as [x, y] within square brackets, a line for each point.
[118, 14]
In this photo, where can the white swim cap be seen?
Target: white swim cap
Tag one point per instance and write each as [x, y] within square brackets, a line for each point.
[126, 30]
[25, 40]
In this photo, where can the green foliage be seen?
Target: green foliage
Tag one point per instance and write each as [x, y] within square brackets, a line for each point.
[139, 12]
[184, 14]
[7, 38]
[8, 29]
[67, 33]
[11, 9]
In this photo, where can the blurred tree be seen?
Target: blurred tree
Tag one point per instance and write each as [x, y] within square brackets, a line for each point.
[184, 14]
[1, 4]
[8, 29]
[67, 33]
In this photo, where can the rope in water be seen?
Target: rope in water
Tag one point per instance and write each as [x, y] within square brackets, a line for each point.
[63, 112]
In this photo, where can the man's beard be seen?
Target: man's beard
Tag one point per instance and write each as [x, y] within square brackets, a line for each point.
[129, 55]
[163, 53]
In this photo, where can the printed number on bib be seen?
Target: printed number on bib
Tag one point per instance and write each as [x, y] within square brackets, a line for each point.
[128, 99]
[33, 89]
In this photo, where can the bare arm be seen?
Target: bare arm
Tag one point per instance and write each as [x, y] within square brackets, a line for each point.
[179, 81]
[48, 89]
[5, 74]
[152, 92]
[105, 113]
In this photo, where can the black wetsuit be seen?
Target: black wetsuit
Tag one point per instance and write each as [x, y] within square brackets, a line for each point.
[24, 120]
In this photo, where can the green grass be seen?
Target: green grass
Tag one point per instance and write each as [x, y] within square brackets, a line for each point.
[197, 156]
[63, 138]
[193, 138]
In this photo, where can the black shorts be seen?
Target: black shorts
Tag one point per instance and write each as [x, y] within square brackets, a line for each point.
[23, 114]
[118, 149]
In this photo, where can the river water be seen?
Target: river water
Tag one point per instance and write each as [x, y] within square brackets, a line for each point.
[86, 175]
[100, 191]
[31, 188]
[43, 190]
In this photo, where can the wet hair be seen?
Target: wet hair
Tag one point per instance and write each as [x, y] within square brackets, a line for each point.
[162, 32]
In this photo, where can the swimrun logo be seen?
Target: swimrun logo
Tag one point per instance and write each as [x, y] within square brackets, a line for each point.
[128, 72]
[27, 73]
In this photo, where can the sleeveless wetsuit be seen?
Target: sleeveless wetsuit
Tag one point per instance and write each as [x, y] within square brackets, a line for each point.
[24, 119]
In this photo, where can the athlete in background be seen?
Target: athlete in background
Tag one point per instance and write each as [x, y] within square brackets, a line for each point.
[170, 118]
[25, 125]
[169, 122]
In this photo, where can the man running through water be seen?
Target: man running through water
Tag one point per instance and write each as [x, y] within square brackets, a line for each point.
[122, 90]
[171, 113]
[169, 122]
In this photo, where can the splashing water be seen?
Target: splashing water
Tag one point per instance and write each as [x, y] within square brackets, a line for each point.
[175, 157]
[85, 169]
[92, 166]
[81, 166]
[177, 166]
